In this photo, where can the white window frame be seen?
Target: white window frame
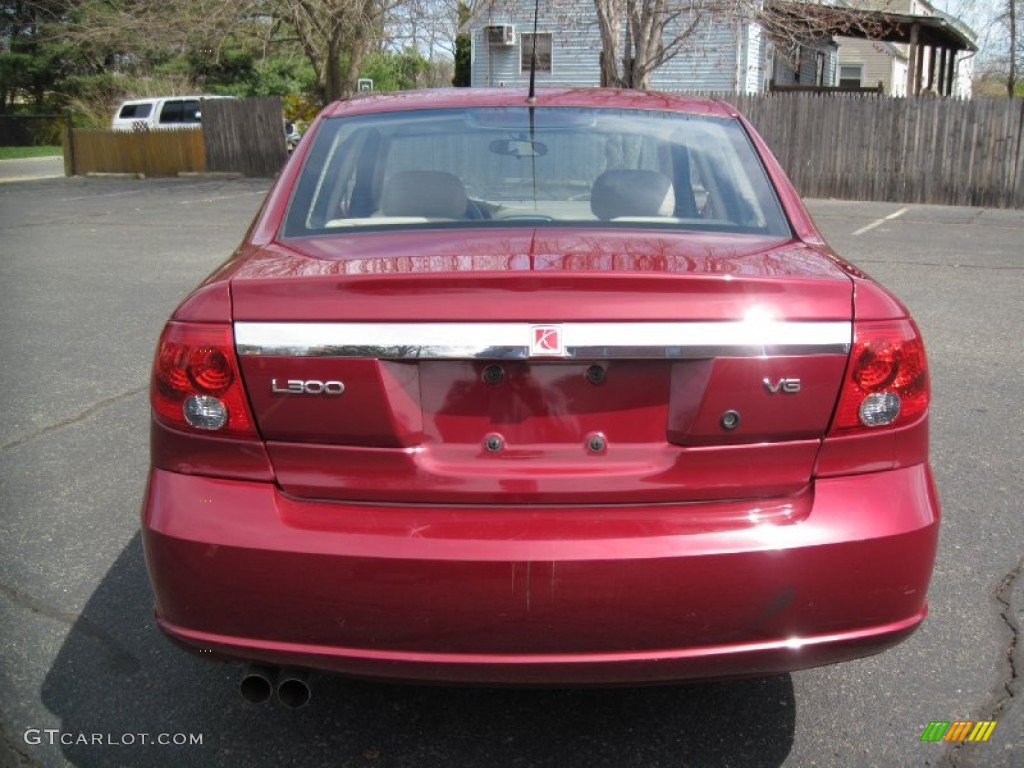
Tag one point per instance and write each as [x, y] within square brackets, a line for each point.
[856, 65]
[524, 66]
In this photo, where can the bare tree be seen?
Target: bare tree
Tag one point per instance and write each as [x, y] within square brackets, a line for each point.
[638, 36]
[134, 35]
[336, 35]
[429, 26]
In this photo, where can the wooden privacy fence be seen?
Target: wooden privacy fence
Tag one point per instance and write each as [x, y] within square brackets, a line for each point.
[919, 150]
[243, 136]
[151, 153]
[852, 147]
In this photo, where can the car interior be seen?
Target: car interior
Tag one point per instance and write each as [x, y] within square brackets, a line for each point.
[446, 172]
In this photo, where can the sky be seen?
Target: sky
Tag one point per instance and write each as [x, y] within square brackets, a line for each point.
[979, 16]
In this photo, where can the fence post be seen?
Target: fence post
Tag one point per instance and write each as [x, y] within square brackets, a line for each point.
[69, 145]
[1017, 180]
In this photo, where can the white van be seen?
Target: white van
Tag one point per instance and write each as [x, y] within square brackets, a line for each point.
[160, 112]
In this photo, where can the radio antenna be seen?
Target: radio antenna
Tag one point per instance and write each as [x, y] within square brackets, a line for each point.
[532, 96]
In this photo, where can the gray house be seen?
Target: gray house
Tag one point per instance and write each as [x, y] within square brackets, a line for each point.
[721, 55]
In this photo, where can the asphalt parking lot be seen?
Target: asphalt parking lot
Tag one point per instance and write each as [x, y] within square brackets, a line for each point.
[89, 271]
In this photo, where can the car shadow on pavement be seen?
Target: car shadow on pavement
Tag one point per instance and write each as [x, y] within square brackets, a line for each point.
[117, 678]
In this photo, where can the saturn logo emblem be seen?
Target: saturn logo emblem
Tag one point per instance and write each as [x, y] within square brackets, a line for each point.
[546, 340]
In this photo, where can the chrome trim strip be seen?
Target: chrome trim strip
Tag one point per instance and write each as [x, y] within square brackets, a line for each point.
[511, 341]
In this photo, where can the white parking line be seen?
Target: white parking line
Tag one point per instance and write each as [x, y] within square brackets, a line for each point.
[35, 177]
[99, 195]
[223, 197]
[880, 222]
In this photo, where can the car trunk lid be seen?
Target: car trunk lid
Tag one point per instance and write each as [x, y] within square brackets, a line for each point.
[603, 370]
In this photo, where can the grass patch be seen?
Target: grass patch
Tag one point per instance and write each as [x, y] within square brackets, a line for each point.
[18, 153]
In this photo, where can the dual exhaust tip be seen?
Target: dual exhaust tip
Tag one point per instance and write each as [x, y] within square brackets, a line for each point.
[259, 683]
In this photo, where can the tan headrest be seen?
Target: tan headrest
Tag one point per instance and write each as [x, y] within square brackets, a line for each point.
[433, 194]
[632, 193]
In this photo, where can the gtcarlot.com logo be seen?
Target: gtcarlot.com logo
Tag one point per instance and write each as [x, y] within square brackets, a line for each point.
[54, 736]
[958, 730]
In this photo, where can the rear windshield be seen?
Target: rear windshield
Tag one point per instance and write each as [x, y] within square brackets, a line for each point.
[511, 166]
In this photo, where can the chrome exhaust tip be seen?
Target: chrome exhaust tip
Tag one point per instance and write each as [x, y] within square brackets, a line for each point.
[293, 688]
[257, 684]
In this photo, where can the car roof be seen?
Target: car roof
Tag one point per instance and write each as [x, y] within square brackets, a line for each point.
[151, 99]
[610, 98]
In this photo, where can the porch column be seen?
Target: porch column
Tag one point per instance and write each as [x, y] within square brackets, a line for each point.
[912, 60]
[951, 72]
[931, 69]
[943, 82]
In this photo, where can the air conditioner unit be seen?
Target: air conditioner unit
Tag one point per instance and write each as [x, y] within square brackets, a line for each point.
[501, 34]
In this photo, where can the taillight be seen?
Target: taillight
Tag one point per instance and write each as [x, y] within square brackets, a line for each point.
[886, 381]
[196, 384]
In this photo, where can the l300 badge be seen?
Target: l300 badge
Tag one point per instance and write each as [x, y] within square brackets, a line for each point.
[307, 387]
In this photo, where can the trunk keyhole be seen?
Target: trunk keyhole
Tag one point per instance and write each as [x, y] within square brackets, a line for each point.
[595, 374]
[494, 374]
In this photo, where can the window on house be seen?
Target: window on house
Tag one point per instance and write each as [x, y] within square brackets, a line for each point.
[851, 75]
[543, 51]
[819, 68]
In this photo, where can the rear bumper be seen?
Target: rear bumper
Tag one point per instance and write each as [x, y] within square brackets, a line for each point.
[542, 594]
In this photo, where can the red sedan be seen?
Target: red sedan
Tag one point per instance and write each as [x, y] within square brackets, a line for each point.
[556, 391]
